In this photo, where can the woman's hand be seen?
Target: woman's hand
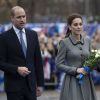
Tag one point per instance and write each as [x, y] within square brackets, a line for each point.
[81, 71]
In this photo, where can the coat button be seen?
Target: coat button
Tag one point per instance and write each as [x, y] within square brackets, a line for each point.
[81, 55]
[80, 48]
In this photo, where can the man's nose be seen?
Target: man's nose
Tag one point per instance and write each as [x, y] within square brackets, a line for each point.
[21, 18]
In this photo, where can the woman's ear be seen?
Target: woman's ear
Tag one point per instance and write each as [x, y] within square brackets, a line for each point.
[69, 28]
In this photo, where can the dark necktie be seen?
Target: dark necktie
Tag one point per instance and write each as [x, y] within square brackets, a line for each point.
[22, 42]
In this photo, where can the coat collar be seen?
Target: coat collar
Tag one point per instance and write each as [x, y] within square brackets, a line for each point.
[74, 41]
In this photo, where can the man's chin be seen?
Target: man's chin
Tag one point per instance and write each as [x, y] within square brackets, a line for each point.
[21, 27]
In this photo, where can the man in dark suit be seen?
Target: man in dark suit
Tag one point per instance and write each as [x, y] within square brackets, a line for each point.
[23, 68]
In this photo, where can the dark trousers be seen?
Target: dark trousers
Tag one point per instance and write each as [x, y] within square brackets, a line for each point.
[23, 94]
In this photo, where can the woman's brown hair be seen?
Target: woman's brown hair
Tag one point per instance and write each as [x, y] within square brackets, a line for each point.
[70, 20]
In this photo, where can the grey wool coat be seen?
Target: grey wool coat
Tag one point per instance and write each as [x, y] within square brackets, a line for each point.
[71, 55]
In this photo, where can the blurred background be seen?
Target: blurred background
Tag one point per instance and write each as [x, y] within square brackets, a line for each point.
[52, 10]
[49, 19]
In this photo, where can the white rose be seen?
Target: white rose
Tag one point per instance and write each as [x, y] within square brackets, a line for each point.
[92, 50]
[95, 50]
[97, 55]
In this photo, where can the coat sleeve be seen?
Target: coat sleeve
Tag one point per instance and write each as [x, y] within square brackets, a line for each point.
[38, 64]
[60, 60]
[4, 66]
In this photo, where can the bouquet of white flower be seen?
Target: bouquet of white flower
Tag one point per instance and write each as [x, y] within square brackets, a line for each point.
[93, 59]
[90, 63]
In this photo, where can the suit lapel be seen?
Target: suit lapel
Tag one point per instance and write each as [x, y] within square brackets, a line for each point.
[16, 42]
[28, 42]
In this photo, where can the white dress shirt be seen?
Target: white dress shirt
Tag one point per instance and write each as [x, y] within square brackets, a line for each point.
[18, 35]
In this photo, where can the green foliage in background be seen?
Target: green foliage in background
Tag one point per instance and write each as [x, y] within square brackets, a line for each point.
[4, 16]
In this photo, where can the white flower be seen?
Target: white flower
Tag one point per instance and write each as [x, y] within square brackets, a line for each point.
[99, 50]
[97, 53]
[95, 50]
[92, 50]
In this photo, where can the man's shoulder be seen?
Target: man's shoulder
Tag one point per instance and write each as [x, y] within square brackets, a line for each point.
[7, 31]
[30, 31]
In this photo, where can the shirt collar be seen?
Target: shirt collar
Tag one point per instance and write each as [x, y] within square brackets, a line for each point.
[74, 41]
[17, 30]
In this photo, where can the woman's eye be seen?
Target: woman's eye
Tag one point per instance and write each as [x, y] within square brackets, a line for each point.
[80, 24]
[76, 24]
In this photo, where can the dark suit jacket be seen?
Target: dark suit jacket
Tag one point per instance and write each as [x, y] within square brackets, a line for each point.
[12, 56]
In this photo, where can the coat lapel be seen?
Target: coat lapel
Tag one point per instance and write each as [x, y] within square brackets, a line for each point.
[16, 42]
[29, 42]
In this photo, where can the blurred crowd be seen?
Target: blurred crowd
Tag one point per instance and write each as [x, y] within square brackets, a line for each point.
[48, 46]
[96, 45]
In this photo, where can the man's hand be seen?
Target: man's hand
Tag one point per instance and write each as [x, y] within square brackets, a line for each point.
[39, 91]
[23, 71]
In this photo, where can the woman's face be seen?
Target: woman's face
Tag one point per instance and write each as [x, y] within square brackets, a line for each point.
[76, 26]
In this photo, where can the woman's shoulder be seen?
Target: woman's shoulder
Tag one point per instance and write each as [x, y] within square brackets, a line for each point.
[87, 38]
[63, 41]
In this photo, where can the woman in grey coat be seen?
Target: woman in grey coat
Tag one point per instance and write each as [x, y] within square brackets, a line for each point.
[71, 54]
